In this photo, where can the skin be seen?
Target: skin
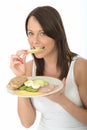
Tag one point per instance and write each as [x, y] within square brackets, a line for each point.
[37, 38]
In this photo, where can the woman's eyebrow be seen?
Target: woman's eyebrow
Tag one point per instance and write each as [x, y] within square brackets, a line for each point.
[32, 30]
[29, 30]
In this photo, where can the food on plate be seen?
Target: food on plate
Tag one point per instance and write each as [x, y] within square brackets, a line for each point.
[29, 94]
[33, 85]
[49, 88]
[30, 86]
[16, 82]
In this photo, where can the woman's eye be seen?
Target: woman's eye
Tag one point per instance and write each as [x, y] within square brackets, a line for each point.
[29, 33]
[42, 33]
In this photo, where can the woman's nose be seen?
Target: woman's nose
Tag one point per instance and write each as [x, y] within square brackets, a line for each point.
[35, 39]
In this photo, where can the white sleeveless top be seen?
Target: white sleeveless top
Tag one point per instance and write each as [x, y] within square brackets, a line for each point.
[54, 116]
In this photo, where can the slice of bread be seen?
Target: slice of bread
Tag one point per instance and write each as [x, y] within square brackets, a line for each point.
[16, 82]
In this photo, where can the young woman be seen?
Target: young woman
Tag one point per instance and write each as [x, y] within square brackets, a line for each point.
[63, 110]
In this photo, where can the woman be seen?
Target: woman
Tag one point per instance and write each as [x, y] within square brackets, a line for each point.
[65, 110]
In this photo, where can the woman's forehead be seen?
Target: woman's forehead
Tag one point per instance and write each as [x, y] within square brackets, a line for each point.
[33, 24]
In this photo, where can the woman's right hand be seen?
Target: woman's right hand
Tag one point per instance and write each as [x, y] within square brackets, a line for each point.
[18, 62]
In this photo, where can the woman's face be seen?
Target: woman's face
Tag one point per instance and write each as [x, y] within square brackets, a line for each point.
[38, 39]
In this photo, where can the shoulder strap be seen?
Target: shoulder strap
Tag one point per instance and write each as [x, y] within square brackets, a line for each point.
[34, 69]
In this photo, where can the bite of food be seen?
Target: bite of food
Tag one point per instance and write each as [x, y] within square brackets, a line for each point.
[35, 50]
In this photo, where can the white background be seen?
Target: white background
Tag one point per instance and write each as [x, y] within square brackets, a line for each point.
[13, 37]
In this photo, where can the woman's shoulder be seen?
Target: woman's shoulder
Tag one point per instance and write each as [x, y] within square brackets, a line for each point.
[81, 78]
[80, 69]
[81, 62]
[29, 66]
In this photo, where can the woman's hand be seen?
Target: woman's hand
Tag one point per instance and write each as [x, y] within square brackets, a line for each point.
[56, 97]
[18, 61]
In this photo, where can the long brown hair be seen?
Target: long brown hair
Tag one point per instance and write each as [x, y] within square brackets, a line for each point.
[51, 22]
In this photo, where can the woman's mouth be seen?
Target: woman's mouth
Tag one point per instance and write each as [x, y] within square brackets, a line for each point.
[37, 47]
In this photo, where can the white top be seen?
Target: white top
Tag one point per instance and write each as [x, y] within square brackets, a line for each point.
[54, 116]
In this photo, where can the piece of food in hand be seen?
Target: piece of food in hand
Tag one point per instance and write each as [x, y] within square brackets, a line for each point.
[16, 82]
[33, 85]
[36, 50]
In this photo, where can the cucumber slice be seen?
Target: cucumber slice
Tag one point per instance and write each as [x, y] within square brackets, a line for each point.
[22, 88]
[29, 89]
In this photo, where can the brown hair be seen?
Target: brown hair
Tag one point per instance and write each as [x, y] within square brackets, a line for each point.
[51, 22]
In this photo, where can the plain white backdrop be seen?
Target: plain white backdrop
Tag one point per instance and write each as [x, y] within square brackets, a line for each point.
[13, 37]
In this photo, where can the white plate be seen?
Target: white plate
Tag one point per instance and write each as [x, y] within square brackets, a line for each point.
[51, 80]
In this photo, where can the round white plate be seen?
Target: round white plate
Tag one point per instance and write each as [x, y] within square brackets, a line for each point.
[51, 80]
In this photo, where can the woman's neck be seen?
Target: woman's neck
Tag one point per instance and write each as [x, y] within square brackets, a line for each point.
[51, 60]
[51, 68]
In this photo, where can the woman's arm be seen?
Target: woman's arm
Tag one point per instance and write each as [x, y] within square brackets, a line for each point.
[18, 65]
[26, 111]
[76, 111]
[79, 113]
